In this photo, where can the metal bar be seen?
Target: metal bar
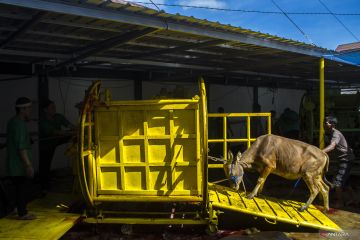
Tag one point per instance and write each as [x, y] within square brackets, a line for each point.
[146, 213]
[225, 137]
[177, 49]
[90, 162]
[104, 45]
[216, 165]
[146, 221]
[121, 149]
[204, 131]
[23, 28]
[239, 114]
[248, 132]
[322, 102]
[138, 89]
[199, 164]
[146, 198]
[171, 173]
[146, 150]
[269, 124]
[231, 140]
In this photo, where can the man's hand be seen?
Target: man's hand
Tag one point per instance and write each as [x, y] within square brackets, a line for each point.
[29, 171]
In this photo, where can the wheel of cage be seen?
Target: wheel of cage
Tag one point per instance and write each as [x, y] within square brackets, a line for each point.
[86, 146]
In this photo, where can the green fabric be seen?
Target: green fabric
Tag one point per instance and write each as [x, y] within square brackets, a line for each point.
[17, 138]
[49, 126]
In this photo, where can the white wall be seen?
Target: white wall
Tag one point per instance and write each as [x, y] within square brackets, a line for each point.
[231, 98]
[67, 92]
[240, 99]
[279, 99]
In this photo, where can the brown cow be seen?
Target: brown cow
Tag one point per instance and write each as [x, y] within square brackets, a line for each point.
[284, 157]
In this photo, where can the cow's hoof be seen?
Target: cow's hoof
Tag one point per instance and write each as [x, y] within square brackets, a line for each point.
[250, 196]
[302, 208]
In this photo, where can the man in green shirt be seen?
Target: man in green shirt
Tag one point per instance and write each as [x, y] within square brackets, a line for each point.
[19, 165]
[52, 134]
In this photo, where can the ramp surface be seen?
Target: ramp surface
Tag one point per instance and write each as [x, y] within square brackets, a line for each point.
[273, 210]
[51, 223]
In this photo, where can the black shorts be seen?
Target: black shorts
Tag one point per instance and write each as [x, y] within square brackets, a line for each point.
[342, 175]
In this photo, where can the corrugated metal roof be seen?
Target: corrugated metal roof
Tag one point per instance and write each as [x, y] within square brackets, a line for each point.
[177, 17]
[96, 34]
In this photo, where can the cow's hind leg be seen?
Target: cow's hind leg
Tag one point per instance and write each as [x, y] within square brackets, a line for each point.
[309, 180]
[324, 190]
[260, 182]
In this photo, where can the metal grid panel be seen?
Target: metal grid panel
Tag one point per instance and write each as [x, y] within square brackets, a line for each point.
[148, 150]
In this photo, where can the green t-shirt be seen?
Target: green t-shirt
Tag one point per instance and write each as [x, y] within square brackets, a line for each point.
[17, 138]
[49, 126]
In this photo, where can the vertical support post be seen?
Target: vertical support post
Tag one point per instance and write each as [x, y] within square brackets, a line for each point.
[255, 99]
[43, 89]
[138, 89]
[43, 94]
[91, 165]
[322, 103]
[248, 133]
[225, 137]
[204, 140]
[207, 89]
[269, 123]
[256, 121]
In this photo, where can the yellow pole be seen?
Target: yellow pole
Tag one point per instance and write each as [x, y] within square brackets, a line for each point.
[225, 137]
[322, 103]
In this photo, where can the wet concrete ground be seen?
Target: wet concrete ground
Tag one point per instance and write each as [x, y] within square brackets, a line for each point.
[231, 225]
[241, 226]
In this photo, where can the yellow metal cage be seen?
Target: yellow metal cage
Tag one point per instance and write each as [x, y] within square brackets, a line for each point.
[138, 159]
[146, 151]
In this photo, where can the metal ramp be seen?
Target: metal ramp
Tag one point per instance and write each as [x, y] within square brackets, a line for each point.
[272, 209]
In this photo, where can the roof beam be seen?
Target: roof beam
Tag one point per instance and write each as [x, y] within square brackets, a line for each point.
[104, 45]
[26, 26]
[205, 70]
[176, 49]
[125, 16]
[113, 60]
[285, 61]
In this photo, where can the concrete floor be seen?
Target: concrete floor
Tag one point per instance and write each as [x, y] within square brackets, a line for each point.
[233, 226]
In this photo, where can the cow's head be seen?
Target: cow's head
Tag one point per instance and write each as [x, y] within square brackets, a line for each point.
[233, 170]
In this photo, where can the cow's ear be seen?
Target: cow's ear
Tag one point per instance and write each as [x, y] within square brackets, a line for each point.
[230, 156]
[238, 156]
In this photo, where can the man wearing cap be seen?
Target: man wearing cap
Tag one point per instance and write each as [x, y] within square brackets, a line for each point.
[19, 158]
[338, 149]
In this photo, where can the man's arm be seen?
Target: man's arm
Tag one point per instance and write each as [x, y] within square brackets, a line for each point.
[330, 147]
[28, 166]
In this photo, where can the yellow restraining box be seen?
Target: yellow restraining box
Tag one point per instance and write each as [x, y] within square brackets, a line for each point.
[149, 148]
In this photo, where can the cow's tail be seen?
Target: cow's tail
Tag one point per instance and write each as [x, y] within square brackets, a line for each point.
[325, 170]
